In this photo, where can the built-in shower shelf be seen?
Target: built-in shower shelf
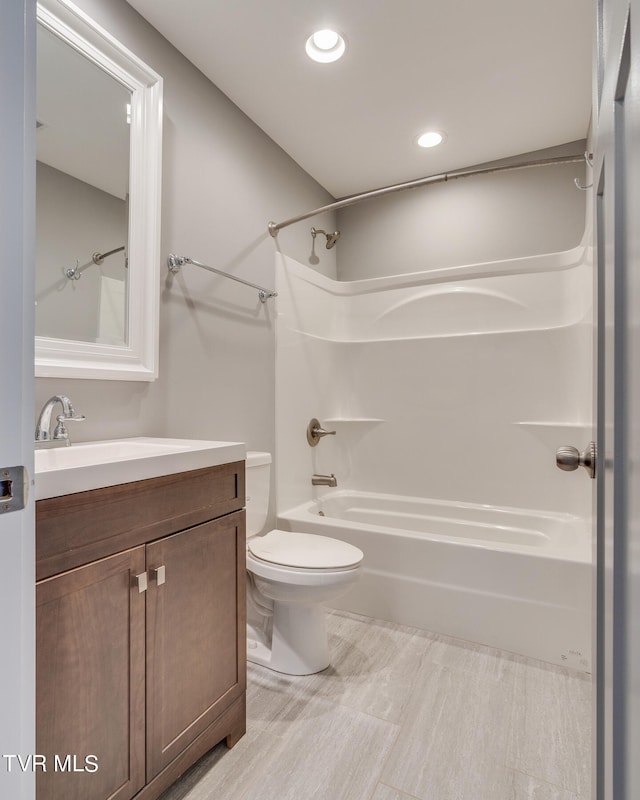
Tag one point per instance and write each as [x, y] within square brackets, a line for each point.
[554, 425]
[367, 420]
[554, 434]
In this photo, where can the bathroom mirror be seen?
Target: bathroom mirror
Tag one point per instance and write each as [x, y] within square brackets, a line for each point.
[98, 144]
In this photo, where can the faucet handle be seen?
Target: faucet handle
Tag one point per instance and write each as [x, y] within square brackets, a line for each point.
[315, 432]
[322, 432]
[60, 431]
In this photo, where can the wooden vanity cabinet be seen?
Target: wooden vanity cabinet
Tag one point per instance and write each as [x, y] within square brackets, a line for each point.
[90, 665]
[192, 673]
[140, 653]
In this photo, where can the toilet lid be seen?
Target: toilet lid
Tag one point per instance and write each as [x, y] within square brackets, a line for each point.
[305, 550]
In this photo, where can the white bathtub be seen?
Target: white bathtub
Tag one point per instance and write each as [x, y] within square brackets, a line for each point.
[513, 579]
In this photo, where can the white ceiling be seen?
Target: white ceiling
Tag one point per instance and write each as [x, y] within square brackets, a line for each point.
[501, 77]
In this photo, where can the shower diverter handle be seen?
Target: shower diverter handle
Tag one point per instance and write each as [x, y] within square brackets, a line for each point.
[570, 458]
[315, 432]
[322, 432]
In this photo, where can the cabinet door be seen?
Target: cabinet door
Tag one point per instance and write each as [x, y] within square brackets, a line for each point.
[196, 636]
[90, 664]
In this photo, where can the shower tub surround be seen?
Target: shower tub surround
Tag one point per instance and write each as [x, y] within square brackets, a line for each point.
[503, 577]
[450, 391]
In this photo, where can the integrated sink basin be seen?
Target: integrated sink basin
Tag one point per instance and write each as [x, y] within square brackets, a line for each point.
[92, 465]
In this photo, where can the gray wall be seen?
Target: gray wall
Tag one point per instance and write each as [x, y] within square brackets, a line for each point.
[223, 180]
[466, 221]
[73, 221]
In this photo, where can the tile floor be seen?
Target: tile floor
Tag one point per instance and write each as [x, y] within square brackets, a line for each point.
[403, 714]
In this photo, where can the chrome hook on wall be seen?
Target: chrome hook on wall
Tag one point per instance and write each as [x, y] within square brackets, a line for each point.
[588, 157]
[73, 273]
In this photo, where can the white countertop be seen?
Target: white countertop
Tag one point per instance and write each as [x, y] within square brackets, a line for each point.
[93, 465]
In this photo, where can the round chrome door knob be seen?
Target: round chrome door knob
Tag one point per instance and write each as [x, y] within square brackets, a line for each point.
[569, 458]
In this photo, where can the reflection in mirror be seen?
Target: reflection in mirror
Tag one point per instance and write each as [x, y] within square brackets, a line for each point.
[99, 132]
[82, 187]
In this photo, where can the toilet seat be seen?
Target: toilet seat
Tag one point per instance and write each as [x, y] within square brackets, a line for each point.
[304, 551]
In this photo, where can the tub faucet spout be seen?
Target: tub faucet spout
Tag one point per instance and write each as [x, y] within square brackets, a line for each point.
[324, 480]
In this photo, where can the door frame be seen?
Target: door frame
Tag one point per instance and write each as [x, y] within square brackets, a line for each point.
[616, 137]
[17, 539]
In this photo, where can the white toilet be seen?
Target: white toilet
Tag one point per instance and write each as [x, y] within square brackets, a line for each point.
[289, 576]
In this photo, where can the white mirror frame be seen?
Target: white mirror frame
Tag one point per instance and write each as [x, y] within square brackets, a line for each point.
[138, 360]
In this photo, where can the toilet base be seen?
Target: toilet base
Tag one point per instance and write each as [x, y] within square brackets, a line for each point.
[299, 644]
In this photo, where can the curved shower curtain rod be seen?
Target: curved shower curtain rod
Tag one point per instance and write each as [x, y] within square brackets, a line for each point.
[274, 227]
[75, 273]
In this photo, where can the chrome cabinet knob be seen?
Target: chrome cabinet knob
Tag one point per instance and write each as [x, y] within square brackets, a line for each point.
[569, 458]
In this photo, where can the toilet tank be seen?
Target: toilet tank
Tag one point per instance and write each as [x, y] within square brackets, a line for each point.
[257, 476]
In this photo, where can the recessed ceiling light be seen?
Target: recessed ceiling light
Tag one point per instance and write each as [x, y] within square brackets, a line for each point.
[430, 139]
[325, 46]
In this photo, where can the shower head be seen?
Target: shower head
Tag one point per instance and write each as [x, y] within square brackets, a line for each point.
[331, 238]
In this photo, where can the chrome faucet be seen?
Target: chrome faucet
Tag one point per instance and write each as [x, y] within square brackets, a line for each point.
[324, 480]
[60, 436]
